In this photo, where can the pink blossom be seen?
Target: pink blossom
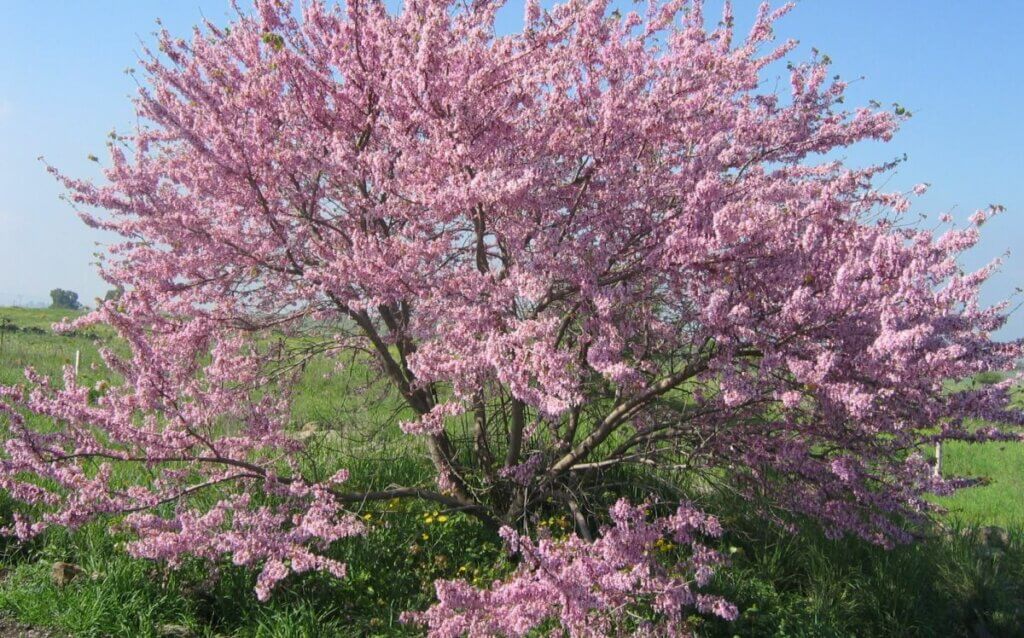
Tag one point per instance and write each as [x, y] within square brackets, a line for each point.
[585, 586]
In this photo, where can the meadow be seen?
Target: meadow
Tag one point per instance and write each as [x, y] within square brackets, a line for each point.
[963, 578]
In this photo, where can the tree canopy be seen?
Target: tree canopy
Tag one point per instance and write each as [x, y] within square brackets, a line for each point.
[61, 298]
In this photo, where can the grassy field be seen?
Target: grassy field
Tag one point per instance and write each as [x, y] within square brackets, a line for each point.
[960, 581]
[28, 340]
[1000, 501]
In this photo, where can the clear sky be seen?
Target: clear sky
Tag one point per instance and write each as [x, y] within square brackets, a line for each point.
[958, 66]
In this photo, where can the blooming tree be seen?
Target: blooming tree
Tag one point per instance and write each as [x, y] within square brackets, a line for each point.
[594, 243]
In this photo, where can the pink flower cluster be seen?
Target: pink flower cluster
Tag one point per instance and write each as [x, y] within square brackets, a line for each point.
[589, 588]
[250, 535]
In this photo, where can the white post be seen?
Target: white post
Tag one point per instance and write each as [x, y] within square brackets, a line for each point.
[77, 357]
[938, 459]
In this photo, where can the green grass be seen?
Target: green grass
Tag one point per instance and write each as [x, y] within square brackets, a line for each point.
[390, 571]
[999, 500]
[32, 343]
[949, 584]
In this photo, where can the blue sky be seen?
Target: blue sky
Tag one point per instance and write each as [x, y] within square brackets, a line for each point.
[956, 65]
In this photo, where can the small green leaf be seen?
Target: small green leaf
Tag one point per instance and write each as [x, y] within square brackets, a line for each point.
[273, 40]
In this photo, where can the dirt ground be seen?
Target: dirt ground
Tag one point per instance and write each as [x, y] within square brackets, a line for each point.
[10, 628]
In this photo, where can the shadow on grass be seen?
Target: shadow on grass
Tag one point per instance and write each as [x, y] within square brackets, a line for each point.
[960, 581]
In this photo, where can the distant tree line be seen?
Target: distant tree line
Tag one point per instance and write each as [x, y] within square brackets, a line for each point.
[68, 299]
[61, 298]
